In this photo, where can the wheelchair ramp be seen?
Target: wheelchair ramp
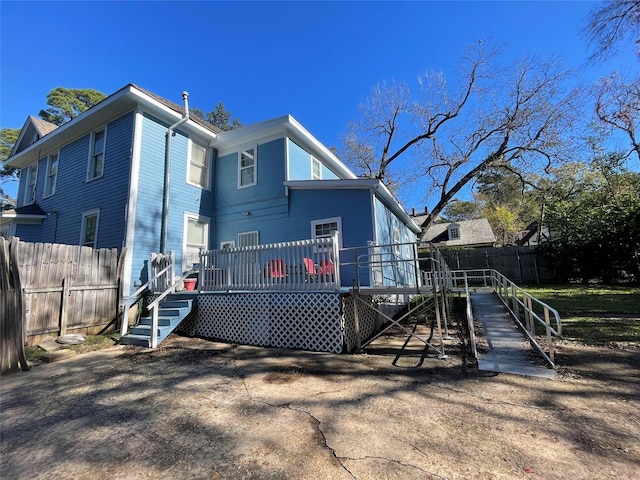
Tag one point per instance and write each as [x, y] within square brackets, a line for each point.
[507, 349]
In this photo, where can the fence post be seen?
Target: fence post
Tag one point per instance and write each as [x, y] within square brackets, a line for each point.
[63, 308]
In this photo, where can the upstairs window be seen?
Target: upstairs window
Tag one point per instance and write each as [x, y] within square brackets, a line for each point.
[96, 159]
[89, 233]
[247, 168]
[198, 174]
[52, 175]
[316, 169]
[30, 187]
[454, 233]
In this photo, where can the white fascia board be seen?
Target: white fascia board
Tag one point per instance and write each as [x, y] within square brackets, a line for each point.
[151, 105]
[286, 125]
[8, 218]
[360, 183]
[119, 103]
[325, 155]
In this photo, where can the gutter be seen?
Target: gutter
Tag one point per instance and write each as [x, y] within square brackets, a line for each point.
[167, 173]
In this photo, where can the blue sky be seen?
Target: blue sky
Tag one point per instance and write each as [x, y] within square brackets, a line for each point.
[314, 60]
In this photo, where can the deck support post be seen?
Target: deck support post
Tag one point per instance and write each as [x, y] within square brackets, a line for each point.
[356, 321]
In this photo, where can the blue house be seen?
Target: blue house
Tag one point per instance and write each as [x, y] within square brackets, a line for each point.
[137, 171]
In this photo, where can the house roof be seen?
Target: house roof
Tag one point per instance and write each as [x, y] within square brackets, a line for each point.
[33, 130]
[27, 214]
[126, 99]
[132, 96]
[472, 233]
[180, 109]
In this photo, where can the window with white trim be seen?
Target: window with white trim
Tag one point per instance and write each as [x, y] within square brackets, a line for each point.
[96, 159]
[396, 240]
[89, 232]
[52, 175]
[407, 247]
[454, 233]
[198, 173]
[247, 167]
[30, 185]
[196, 237]
[316, 169]
[325, 227]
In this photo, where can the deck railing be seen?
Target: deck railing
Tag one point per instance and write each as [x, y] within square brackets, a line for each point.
[527, 311]
[303, 265]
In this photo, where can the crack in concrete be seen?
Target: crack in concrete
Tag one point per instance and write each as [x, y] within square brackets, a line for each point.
[295, 409]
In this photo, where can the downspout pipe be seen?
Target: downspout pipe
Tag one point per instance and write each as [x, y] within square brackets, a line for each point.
[167, 174]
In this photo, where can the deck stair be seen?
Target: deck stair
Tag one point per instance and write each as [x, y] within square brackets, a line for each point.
[173, 310]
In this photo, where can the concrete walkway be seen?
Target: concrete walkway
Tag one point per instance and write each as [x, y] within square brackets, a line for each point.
[509, 351]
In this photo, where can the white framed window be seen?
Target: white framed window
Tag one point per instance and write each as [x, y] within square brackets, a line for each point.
[247, 167]
[96, 157]
[407, 247]
[89, 232]
[396, 240]
[30, 184]
[316, 169]
[196, 236]
[52, 175]
[454, 233]
[198, 166]
[324, 228]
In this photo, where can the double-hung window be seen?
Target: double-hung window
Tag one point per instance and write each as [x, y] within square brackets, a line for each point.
[96, 159]
[316, 169]
[30, 185]
[396, 240]
[247, 168]
[198, 174]
[52, 175]
[89, 233]
[196, 237]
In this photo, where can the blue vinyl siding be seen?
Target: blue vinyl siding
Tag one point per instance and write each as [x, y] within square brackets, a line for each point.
[300, 164]
[242, 209]
[74, 195]
[182, 198]
[386, 221]
[352, 206]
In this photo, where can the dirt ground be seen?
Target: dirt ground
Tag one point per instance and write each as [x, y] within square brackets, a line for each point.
[196, 409]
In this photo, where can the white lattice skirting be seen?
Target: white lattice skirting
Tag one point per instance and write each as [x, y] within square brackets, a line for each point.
[307, 320]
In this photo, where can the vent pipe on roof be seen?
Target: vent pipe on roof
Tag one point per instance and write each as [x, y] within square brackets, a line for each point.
[167, 173]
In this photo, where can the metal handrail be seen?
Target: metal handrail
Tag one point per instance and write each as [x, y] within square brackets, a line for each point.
[470, 324]
[137, 295]
[508, 293]
[154, 306]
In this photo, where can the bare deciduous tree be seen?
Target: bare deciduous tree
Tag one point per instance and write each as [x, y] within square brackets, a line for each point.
[618, 107]
[610, 23]
[513, 118]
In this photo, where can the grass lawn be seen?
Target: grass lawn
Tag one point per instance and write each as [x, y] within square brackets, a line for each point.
[594, 314]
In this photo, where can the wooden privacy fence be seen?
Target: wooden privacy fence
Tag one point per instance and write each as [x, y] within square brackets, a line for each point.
[67, 288]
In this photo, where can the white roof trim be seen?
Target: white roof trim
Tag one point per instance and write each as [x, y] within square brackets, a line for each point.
[120, 102]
